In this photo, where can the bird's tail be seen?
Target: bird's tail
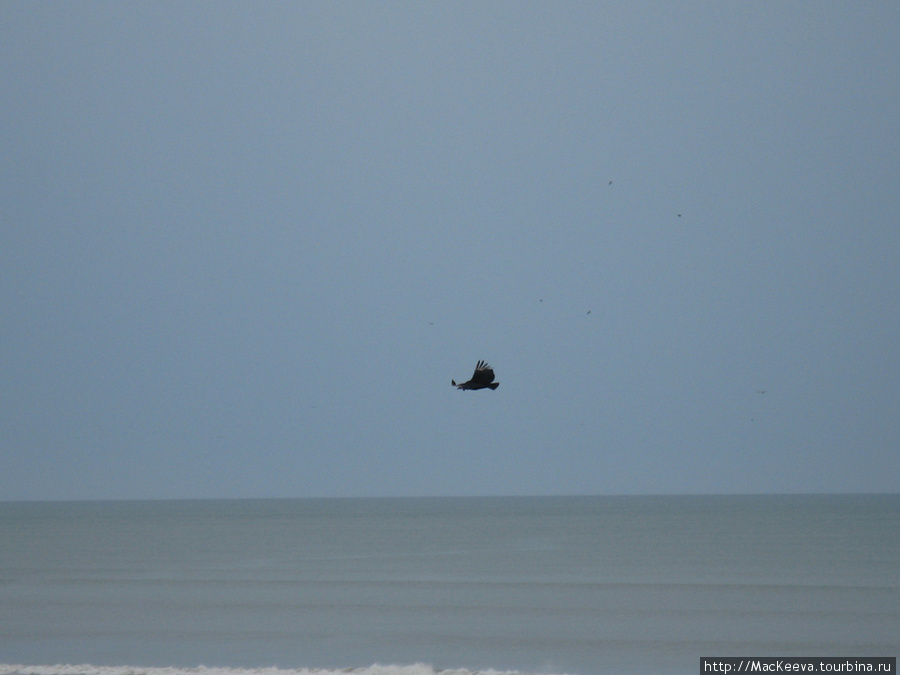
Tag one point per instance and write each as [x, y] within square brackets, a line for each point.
[453, 382]
[494, 385]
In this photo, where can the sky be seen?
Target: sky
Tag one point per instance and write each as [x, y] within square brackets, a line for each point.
[246, 246]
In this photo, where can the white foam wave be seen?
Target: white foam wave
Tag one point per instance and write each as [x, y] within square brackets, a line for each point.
[376, 669]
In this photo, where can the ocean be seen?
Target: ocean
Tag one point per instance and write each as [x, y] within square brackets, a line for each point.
[419, 586]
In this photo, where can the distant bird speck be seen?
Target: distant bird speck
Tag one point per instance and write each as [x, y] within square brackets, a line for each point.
[482, 378]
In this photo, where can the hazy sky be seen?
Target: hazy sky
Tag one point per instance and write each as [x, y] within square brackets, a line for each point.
[246, 246]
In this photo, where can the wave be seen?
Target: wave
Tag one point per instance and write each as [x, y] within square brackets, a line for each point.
[376, 669]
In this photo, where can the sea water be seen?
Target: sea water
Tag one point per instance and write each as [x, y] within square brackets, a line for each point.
[580, 585]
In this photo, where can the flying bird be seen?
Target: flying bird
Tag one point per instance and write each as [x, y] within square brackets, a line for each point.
[482, 378]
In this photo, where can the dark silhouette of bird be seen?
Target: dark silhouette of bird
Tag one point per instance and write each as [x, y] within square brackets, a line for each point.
[482, 378]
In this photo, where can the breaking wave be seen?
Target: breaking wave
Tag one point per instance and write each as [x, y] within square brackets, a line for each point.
[415, 669]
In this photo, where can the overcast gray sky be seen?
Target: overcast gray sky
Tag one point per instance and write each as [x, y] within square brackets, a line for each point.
[246, 246]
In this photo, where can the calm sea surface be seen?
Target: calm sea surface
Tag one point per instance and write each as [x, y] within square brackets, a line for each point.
[583, 585]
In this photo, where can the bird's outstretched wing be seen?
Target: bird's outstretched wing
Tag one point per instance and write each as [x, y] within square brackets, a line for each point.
[483, 374]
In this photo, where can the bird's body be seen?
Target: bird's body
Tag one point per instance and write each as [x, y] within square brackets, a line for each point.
[482, 378]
